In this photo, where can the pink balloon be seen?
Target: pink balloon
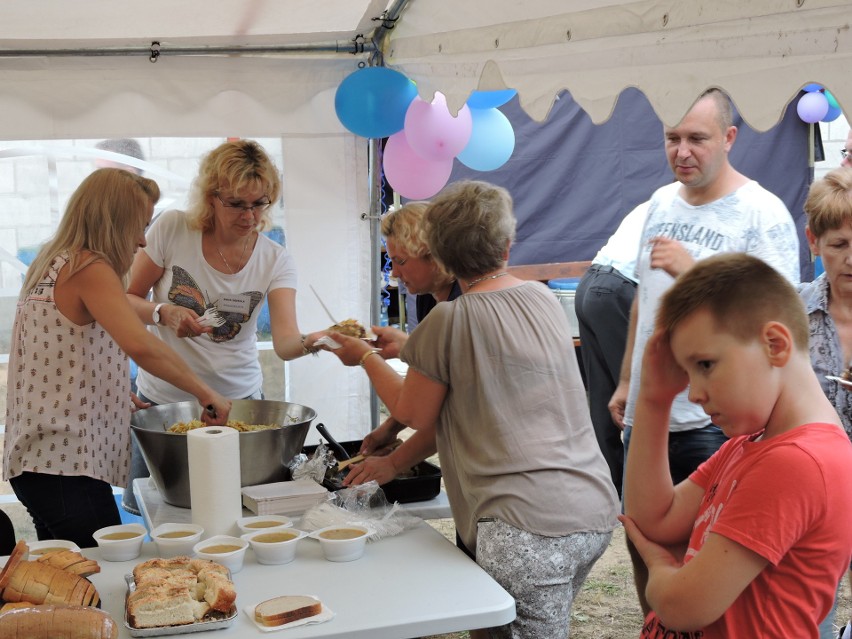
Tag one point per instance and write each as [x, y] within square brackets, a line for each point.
[409, 174]
[432, 132]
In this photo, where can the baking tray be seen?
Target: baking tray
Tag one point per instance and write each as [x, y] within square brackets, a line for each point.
[423, 484]
[220, 621]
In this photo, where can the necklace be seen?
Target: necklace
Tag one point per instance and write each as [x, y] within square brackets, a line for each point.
[473, 283]
[240, 263]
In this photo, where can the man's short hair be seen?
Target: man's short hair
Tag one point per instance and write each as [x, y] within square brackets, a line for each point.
[723, 106]
[741, 292]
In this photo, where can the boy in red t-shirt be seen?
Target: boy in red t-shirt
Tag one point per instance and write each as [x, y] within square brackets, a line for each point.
[766, 519]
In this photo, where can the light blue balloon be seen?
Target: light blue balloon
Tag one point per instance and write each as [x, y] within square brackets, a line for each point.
[834, 110]
[492, 140]
[490, 99]
[810, 88]
[372, 101]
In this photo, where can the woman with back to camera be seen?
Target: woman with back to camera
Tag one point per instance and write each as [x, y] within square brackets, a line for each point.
[495, 371]
[423, 276]
[828, 299]
[214, 256]
[68, 399]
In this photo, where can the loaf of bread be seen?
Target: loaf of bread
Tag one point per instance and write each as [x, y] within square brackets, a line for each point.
[286, 609]
[15, 605]
[58, 621]
[39, 583]
[70, 561]
[178, 591]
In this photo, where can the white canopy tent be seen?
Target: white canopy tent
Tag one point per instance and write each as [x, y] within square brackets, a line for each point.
[761, 52]
[270, 68]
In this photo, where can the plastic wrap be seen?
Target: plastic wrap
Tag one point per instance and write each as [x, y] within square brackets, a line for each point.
[365, 504]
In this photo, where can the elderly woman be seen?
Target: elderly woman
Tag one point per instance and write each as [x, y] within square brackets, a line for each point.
[495, 371]
[828, 299]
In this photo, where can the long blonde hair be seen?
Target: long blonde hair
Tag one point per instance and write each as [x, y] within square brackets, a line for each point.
[105, 216]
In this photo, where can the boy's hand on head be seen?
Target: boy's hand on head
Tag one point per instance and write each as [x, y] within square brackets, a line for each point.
[662, 377]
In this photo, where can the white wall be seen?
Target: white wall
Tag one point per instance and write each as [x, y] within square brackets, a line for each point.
[833, 139]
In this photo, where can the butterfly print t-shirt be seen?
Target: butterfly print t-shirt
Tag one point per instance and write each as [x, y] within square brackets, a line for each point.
[227, 358]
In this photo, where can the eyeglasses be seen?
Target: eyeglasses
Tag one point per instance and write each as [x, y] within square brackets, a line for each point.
[844, 153]
[257, 207]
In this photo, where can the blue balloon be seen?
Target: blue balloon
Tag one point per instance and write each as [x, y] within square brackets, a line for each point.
[490, 99]
[372, 101]
[810, 88]
[492, 140]
[832, 114]
[834, 110]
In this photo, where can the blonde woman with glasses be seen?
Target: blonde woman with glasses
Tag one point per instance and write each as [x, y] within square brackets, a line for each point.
[208, 271]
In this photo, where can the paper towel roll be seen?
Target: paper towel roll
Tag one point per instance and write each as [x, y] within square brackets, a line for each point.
[214, 479]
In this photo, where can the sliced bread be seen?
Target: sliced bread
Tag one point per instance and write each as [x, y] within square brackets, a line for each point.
[286, 609]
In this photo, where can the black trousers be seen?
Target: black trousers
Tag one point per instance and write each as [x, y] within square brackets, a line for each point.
[603, 300]
[67, 506]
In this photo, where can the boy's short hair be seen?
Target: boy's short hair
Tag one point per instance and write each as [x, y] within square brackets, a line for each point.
[741, 292]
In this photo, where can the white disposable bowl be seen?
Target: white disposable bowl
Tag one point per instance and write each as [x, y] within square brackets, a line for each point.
[256, 523]
[342, 549]
[174, 546]
[232, 560]
[269, 551]
[40, 547]
[120, 549]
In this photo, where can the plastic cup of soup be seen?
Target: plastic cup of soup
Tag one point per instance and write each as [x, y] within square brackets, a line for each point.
[263, 522]
[37, 548]
[275, 546]
[342, 542]
[223, 549]
[120, 543]
[176, 539]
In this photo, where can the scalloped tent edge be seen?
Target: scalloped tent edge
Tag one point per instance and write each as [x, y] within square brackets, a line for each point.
[760, 52]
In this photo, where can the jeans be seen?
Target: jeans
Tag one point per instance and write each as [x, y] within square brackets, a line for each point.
[688, 449]
[67, 506]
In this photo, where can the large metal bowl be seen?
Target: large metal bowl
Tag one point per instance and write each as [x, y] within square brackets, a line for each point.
[263, 454]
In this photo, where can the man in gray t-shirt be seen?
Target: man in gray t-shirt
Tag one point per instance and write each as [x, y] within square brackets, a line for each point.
[711, 208]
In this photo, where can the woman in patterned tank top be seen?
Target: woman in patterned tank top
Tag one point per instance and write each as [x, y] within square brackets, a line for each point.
[68, 397]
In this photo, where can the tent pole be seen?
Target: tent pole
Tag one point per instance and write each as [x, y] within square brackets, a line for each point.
[352, 47]
[374, 220]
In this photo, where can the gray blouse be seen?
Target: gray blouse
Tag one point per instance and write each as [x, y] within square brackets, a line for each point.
[514, 433]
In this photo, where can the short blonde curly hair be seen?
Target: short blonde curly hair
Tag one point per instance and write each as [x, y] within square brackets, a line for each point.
[237, 164]
[404, 226]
